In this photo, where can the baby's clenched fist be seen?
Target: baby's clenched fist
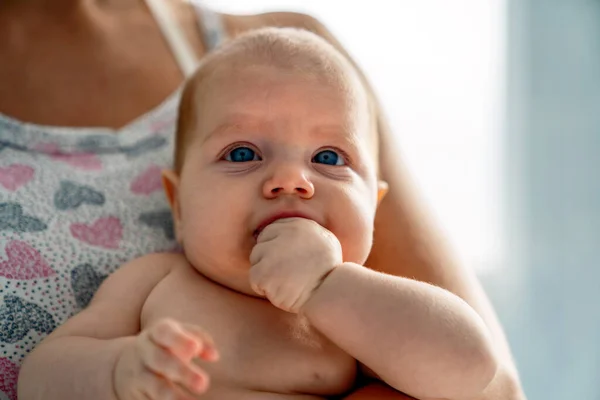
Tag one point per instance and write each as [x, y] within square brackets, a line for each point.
[291, 259]
[159, 363]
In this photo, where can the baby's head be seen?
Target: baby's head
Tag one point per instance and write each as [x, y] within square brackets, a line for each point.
[275, 123]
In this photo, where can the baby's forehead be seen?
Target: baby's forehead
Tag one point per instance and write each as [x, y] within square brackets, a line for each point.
[302, 54]
[245, 88]
[233, 96]
[299, 56]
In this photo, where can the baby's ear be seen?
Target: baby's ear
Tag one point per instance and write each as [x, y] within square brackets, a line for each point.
[170, 181]
[382, 189]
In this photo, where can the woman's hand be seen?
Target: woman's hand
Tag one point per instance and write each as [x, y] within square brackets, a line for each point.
[159, 363]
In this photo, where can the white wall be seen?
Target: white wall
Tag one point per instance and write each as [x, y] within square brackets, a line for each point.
[438, 67]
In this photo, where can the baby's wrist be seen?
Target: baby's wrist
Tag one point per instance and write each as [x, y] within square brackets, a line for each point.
[313, 300]
[123, 346]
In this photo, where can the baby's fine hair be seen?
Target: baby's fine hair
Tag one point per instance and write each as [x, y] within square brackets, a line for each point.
[290, 49]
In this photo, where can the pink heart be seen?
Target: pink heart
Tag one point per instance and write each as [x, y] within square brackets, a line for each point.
[14, 176]
[87, 161]
[159, 125]
[24, 262]
[105, 232]
[148, 181]
[9, 373]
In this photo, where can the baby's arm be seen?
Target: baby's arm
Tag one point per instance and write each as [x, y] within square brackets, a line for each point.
[418, 338]
[77, 361]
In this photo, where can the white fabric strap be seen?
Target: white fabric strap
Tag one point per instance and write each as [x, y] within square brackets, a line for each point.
[212, 25]
[183, 52]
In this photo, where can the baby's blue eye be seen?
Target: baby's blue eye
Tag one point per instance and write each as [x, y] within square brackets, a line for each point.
[242, 154]
[328, 157]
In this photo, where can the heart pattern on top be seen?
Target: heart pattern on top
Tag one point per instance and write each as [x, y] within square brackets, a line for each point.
[12, 219]
[15, 175]
[148, 181]
[9, 373]
[71, 195]
[85, 161]
[144, 146]
[104, 232]
[85, 281]
[162, 219]
[18, 317]
[24, 262]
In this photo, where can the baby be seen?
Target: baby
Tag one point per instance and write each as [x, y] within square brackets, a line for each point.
[273, 195]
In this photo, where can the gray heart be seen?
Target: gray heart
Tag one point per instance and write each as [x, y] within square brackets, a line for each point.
[99, 144]
[144, 146]
[159, 219]
[18, 317]
[12, 219]
[85, 281]
[9, 145]
[71, 195]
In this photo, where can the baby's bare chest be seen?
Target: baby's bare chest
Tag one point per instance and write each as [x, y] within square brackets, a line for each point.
[262, 349]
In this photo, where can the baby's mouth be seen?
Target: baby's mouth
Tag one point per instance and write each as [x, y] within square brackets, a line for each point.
[259, 230]
[273, 218]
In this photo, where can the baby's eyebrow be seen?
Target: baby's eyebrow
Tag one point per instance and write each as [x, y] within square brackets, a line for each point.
[336, 133]
[238, 123]
[244, 123]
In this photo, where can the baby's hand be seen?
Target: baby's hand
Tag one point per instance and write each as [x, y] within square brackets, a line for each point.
[291, 259]
[159, 363]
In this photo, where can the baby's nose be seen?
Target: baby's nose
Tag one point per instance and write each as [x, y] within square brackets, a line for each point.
[289, 180]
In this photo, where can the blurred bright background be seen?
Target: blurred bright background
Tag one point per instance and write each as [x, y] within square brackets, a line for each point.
[496, 108]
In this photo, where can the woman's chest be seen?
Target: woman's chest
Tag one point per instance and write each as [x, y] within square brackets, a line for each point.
[261, 347]
[105, 70]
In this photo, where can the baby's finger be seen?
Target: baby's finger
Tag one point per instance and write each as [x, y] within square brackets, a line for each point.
[270, 232]
[257, 277]
[155, 387]
[258, 252]
[208, 350]
[170, 335]
[162, 362]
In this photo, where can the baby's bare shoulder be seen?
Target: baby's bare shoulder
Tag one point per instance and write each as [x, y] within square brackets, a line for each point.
[144, 271]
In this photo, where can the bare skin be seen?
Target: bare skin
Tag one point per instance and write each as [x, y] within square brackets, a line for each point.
[248, 347]
[50, 90]
[309, 367]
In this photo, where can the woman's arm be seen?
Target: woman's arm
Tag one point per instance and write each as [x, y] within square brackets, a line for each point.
[406, 243]
[377, 391]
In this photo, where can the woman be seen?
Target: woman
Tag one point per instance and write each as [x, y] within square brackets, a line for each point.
[68, 218]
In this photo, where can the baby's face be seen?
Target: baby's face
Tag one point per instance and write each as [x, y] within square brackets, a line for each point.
[270, 143]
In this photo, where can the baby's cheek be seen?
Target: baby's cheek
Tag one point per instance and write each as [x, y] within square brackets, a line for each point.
[355, 233]
[357, 248]
[215, 229]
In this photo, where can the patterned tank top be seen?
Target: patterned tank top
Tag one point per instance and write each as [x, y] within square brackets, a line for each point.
[75, 204]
